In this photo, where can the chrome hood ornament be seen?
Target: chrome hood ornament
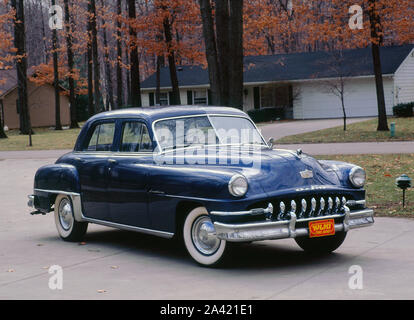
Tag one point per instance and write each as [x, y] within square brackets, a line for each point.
[306, 174]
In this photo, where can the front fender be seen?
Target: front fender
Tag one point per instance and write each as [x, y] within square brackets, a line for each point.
[341, 169]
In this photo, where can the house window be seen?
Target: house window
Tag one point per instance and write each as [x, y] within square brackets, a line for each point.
[274, 96]
[200, 96]
[164, 98]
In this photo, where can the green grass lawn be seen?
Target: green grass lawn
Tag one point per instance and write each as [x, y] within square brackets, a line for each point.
[365, 131]
[43, 139]
[382, 170]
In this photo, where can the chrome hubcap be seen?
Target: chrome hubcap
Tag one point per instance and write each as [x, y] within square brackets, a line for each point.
[204, 237]
[65, 214]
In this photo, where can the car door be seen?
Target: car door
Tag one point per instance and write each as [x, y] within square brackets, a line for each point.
[128, 176]
[92, 164]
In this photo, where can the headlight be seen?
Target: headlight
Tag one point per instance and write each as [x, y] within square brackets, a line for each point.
[357, 177]
[238, 185]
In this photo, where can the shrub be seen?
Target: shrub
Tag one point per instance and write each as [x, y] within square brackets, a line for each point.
[266, 114]
[403, 109]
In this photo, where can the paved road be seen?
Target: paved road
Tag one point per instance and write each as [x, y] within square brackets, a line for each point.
[116, 264]
[352, 147]
[282, 129]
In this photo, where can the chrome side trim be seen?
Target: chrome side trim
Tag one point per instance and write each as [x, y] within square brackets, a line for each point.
[58, 192]
[77, 211]
[77, 207]
[253, 212]
[163, 234]
[351, 203]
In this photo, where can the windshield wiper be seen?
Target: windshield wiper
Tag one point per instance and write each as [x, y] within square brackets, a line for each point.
[184, 146]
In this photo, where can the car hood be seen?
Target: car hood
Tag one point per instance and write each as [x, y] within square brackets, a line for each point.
[272, 170]
[285, 169]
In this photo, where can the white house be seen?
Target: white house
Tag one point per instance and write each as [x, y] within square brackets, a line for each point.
[300, 83]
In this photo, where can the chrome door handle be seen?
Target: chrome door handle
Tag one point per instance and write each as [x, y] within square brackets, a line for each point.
[112, 161]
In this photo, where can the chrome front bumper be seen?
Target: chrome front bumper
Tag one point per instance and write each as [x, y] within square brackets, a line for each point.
[287, 229]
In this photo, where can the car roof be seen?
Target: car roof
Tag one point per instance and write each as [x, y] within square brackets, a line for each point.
[154, 113]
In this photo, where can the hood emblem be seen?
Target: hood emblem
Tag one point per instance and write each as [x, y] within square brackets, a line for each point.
[307, 174]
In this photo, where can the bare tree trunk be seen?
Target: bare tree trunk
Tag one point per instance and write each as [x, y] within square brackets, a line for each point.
[223, 48]
[73, 111]
[224, 51]
[236, 54]
[119, 75]
[58, 124]
[46, 51]
[128, 79]
[108, 72]
[375, 46]
[135, 78]
[211, 52]
[382, 113]
[21, 66]
[2, 133]
[343, 109]
[91, 106]
[176, 100]
[160, 63]
[95, 58]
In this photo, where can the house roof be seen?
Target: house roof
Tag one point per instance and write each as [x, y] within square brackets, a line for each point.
[294, 66]
[8, 80]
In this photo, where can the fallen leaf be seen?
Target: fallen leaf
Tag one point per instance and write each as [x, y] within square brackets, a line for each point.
[82, 243]
[101, 291]
[114, 267]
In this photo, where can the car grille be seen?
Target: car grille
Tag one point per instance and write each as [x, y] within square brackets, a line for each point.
[307, 206]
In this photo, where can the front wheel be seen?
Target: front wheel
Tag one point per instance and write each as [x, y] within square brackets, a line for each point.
[68, 228]
[322, 245]
[200, 239]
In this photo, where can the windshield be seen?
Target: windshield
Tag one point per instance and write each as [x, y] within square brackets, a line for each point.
[206, 130]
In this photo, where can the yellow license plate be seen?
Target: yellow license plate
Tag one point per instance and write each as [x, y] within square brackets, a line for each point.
[321, 228]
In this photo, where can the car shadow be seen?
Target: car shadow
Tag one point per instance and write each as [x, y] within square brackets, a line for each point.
[253, 256]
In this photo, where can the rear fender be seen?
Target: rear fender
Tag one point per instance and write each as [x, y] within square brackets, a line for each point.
[51, 180]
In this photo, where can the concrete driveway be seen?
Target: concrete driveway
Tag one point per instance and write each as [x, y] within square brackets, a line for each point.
[114, 264]
[282, 129]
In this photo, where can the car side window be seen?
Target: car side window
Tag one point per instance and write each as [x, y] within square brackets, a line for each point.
[135, 137]
[102, 137]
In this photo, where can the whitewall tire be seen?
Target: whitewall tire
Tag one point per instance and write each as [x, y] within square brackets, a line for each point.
[68, 228]
[200, 239]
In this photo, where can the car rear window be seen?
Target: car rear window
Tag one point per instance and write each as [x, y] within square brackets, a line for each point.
[102, 137]
[135, 137]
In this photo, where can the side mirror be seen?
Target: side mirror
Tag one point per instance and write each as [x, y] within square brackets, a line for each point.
[271, 143]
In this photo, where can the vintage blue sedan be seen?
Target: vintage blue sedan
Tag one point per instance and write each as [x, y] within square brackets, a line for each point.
[201, 174]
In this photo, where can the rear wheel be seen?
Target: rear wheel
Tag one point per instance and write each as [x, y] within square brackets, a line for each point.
[321, 245]
[200, 239]
[68, 228]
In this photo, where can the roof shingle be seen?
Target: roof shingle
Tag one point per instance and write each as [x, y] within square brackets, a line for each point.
[294, 66]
